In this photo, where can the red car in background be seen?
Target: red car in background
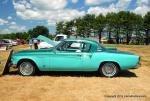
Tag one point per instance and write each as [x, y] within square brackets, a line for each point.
[21, 42]
[2, 44]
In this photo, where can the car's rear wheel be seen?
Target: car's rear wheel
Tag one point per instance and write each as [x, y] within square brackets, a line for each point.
[26, 68]
[109, 69]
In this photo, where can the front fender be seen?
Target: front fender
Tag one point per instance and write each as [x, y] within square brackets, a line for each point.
[36, 60]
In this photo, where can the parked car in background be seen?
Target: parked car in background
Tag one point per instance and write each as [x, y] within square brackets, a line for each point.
[11, 42]
[60, 37]
[3, 45]
[8, 41]
[75, 55]
[14, 42]
[21, 41]
[4, 41]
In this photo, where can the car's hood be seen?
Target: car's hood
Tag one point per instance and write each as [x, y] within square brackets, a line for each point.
[47, 40]
[29, 52]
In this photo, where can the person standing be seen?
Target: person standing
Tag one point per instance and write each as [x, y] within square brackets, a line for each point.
[35, 41]
[30, 43]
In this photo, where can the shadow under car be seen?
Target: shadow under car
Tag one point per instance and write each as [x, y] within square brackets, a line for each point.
[125, 73]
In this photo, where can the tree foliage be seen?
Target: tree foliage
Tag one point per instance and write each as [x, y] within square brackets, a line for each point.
[147, 28]
[38, 30]
[20, 35]
[124, 26]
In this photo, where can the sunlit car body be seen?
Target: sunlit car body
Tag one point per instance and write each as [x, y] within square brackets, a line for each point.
[9, 42]
[6, 42]
[75, 55]
[4, 45]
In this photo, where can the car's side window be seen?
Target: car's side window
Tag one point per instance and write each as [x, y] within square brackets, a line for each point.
[69, 46]
[72, 46]
[86, 47]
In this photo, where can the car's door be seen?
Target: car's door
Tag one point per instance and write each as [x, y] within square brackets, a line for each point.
[66, 57]
[86, 56]
[71, 56]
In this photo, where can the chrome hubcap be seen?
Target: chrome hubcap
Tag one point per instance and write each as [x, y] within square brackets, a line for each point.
[109, 69]
[26, 68]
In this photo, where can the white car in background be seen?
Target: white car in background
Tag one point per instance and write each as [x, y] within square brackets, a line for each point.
[14, 42]
[60, 37]
[9, 42]
[4, 45]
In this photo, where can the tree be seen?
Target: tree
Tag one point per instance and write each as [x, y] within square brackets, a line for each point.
[116, 24]
[68, 28]
[65, 28]
[39, 30]
[123, 25]
[110, 26]
[138, 29]
[147, 28]
[99, 25]
[59, 27]
[88, 21]
[127, 24]
[80, 27]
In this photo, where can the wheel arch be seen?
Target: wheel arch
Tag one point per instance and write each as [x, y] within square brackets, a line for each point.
[102, 63]
[26, 59]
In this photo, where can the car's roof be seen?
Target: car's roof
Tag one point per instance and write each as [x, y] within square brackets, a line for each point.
[82, 40]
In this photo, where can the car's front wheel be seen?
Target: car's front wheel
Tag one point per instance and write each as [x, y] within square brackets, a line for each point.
[26, 68]
[109, 69]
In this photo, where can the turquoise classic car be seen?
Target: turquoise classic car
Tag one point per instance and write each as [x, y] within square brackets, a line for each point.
[75, 55]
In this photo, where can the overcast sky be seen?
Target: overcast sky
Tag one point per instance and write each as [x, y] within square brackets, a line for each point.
[21, 15]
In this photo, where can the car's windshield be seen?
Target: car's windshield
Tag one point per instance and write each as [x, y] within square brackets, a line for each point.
[59, 38]
[59, 44]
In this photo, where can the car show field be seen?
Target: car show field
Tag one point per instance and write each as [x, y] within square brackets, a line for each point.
[131, 85]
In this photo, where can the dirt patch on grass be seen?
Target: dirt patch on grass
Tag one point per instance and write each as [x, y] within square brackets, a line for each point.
[132, 85]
